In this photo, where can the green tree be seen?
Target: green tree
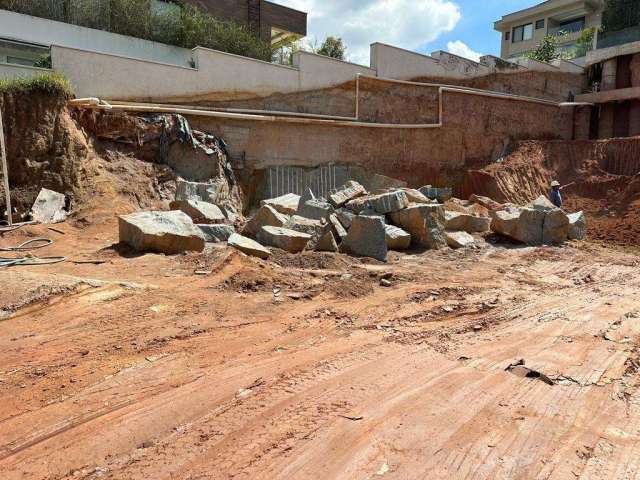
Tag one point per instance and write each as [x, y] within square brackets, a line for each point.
[584, 44]
[333, 47]
[546, 51]
[620, 14]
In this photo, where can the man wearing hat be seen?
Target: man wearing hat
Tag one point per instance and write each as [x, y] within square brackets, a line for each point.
[556, 196]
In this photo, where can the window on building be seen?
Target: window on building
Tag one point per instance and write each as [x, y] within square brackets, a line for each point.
[20, 61]
[539, 24]
[507, 36]
[523, 33]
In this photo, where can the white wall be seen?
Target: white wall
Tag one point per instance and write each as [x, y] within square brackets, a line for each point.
[394, 62]
[459, 67]
[317, 71]
[10, 71]
[123, 78]
[400, 64]
[48, 32]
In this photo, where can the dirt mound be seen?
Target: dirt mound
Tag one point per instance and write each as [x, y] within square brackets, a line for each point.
[106, 163]
[604, 178]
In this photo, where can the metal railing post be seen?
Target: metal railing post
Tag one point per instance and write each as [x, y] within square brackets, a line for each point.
[5, 172]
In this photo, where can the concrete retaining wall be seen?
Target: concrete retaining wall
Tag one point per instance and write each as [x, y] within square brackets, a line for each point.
[437, 156]
[9, 71]
[48, 32]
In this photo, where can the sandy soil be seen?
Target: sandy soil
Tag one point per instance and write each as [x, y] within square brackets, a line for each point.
[306, 368]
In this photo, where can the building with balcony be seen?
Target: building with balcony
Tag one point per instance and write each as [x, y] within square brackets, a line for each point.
[522, 31]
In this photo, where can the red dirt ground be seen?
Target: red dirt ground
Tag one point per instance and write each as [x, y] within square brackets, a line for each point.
[303, 367]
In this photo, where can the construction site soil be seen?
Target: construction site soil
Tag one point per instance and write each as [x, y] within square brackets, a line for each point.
[502, 361]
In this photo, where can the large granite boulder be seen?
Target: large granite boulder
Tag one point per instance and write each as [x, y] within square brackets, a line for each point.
[397, 239]
[522, 224]
[577, 226]
[283, 238]
[200, 212]
[315, 210]
[216, 233]
[287, 204]
[266, 216]
[425, 223]
[248, 246]
[459, 239]
[456, 221]
[366, 238]
[346, 193]
[530, 226]
[440, 194]
[49, 207]
[390, 202]
[505, 222]
[162, 232]
[555, 229]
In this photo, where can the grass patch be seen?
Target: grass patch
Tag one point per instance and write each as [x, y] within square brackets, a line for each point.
[49, 83]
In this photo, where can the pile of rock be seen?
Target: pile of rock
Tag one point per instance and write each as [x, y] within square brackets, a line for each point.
[538, 223]
[351, 220]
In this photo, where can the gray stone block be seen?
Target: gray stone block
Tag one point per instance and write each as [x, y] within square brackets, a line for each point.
[390, 202]
[396, 238]
[346, 193]
[283, 238]
[425, 223]
[200, 212]
[577, 226]
[162, 232]
[49, 207]
[248, 246]
[366, 238]
[217, 233]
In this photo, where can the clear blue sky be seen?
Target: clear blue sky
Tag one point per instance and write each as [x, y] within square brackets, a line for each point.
[475, 28]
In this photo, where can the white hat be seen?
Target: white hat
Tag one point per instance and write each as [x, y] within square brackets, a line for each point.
[555, 183]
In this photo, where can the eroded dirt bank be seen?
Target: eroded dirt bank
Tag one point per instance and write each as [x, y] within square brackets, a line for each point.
[604, 179]
[304, 367]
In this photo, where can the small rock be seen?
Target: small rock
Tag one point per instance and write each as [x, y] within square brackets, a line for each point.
[200, 212]
[327, 243]
[339, 231]
[345, 216]
[396, 238]
[286, 204]
[385, 283]
[390, 202]
[346, 193]
[457, 221]
[316, 210]
[216, 233]
[459, 239]
[577, 226]
[49, 207]
[283, 238]
[248, 246]
[266, 216]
